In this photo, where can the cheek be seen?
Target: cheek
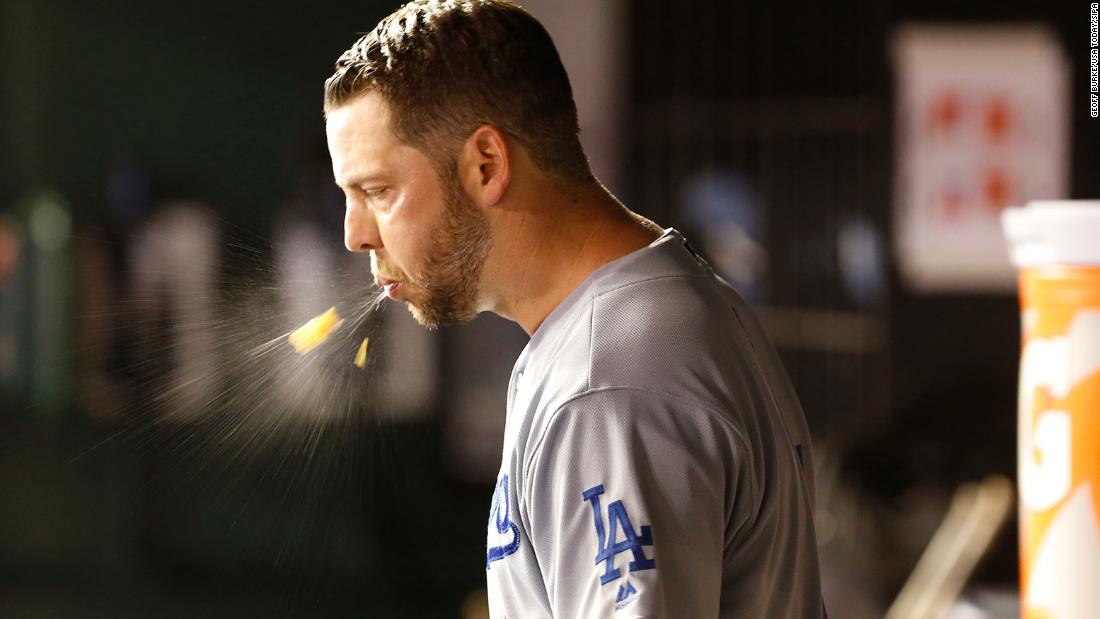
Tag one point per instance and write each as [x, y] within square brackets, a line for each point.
[406, 244]
[415, 219]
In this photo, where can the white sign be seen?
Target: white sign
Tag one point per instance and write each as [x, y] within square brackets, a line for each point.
[982, 123]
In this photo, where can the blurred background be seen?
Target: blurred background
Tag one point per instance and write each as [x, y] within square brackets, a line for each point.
[167, 215]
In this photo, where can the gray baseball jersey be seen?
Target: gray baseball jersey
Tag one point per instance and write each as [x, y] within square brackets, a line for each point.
[656, 460]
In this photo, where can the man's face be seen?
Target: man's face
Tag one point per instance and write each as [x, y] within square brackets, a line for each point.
[428, 240]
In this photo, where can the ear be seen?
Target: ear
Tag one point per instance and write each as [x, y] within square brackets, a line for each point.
[486, 165]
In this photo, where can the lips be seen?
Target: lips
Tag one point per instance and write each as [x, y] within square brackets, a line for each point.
[389, 285]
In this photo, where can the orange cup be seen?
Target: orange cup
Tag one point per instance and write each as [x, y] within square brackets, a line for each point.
[1056, 246]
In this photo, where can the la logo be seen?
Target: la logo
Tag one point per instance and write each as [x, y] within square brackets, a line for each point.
[608, 547]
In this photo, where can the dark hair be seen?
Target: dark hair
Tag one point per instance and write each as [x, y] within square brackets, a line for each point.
[446, 67]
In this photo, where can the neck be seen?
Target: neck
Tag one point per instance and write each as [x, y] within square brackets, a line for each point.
[543, 250]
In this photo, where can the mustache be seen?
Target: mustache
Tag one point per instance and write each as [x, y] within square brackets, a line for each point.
[379, 268]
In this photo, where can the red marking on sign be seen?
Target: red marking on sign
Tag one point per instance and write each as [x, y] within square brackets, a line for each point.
[944, 113]
[998, 120]
[997, 189]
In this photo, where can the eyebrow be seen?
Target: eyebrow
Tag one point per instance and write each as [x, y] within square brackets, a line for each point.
[362, 179]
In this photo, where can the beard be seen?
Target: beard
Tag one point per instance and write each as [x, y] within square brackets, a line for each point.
[450, 279]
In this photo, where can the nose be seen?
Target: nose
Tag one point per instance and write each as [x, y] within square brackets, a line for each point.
[360, 229]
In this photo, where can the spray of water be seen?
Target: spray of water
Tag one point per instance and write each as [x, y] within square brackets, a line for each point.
[220, 408]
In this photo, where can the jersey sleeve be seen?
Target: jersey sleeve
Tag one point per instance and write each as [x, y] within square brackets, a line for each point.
[629, 498]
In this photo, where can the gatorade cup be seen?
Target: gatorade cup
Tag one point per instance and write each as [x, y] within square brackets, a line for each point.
[1056, 246]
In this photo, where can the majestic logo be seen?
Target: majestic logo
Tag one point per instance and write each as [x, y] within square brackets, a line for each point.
[501, 527]
[625, 596]
[608, 548]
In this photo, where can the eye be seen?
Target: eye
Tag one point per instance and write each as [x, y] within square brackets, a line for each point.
[377, 198]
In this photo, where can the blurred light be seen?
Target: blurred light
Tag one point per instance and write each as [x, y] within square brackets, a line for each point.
[50, 223]
[862, 261]
[9, 250]
[724, 210]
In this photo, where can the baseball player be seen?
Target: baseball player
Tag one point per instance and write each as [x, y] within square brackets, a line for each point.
[656, 462]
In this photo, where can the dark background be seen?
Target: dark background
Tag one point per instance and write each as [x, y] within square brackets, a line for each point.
[216, 100]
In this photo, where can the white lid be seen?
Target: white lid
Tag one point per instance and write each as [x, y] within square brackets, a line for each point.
[1053, 232]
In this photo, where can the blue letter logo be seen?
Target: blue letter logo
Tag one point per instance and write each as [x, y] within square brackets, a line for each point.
[499, 520]
[607, 547]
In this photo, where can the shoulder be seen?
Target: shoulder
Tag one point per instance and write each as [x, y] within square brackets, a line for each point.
[618, 425]
[660, 307]
[682, 335]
